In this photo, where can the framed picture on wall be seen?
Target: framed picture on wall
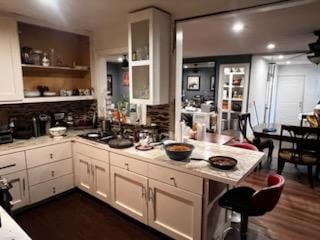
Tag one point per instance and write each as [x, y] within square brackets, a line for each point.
[193, 83]
[212, 79]
[109, 84]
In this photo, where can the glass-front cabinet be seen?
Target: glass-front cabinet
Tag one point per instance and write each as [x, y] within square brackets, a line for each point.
[149, 56]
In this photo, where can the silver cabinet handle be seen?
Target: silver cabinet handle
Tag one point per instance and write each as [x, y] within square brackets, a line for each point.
[8, 166]
[52, 173]
[24, 187]
[151, 196]
[172, 178]
[54, 190]
[144, 192]
[51, 155]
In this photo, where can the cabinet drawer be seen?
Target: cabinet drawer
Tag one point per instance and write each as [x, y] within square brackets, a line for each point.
[91, 152]
[49, 171]
[175, 178]
[130, 164]
[51, 188]
[12, 163]
[43, 155]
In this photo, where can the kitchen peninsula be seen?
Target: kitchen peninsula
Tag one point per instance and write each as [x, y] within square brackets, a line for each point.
[144, 185]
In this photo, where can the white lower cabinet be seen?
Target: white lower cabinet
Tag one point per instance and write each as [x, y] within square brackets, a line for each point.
[129, 193]
[174, 211]
[50, 188]
[19, 190]
[92, 176]
[170, 210]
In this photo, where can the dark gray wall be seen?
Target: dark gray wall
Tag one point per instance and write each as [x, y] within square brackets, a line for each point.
[118, 90]
[205, 78]
[229, 59]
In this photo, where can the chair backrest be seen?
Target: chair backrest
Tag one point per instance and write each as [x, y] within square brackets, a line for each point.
[244, 121]
[244, 146]
[267, 198]
[302, 138]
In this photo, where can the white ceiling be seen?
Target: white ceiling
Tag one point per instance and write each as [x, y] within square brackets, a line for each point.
[93, 14]
[289, 28]
[298, 58]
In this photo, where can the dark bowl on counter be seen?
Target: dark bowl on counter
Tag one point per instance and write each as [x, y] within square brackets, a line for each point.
[178, 151]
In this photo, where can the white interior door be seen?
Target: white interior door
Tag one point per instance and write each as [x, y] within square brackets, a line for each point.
[289, 99]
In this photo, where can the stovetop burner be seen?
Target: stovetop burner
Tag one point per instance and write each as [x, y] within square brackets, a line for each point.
[98, 137]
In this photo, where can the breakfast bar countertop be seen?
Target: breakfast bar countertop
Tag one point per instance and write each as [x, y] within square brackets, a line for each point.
[247, 160]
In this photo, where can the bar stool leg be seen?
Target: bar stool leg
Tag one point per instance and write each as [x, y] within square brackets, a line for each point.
[244, 226]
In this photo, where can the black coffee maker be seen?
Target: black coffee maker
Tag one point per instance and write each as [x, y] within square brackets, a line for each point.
[5, 196]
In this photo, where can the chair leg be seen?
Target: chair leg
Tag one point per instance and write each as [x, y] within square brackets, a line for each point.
[310, 176]
[280, 166]
[244, 226]
[317, 171]
[270, 153]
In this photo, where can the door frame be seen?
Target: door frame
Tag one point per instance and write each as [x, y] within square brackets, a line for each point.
[101, 58]
[277, 91]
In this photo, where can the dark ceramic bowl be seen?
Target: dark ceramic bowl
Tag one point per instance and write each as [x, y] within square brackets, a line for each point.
[179, 155]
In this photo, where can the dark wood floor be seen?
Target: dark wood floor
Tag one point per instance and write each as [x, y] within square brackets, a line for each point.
[78, 216]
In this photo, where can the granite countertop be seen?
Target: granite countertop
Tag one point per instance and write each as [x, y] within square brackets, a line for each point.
[247, 159]
[21, 145]
[10, 230]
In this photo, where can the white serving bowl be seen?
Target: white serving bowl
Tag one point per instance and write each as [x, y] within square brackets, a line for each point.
[57, 131]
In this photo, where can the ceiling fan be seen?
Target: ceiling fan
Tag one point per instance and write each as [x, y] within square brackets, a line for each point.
[314, 54]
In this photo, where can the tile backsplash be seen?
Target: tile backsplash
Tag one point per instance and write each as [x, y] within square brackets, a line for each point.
[159, 114]
[82, 111]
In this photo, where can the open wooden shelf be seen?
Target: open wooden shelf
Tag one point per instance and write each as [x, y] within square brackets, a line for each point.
[56, 99]
[32, 67]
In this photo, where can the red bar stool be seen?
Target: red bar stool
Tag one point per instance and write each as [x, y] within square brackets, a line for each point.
[249, 202]
[244, 146]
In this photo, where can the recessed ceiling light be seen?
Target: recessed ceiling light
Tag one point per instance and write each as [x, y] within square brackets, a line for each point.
[238, 27]
[120, 59]
[280, 56]
[288, 62]
[271, 46]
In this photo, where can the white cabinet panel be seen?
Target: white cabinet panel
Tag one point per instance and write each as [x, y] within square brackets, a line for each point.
[83, 172]
[48, 154]
[174, 212]
[128, 191]
[10, 65]
[19, 190]
[92, 176]
[101, 182]
[12, 163]
[130, 164]
[176, 178]
[91, 152]
[48, 189]
[49, 171]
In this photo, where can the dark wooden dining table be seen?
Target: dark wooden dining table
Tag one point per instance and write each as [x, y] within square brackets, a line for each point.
[259, 131]
[218, 138]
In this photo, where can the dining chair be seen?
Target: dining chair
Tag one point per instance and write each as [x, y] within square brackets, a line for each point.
[244, 122]
[249, 202]
[303, 148]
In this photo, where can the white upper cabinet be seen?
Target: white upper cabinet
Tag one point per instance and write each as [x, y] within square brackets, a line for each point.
[149, 56]
[10, 66]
